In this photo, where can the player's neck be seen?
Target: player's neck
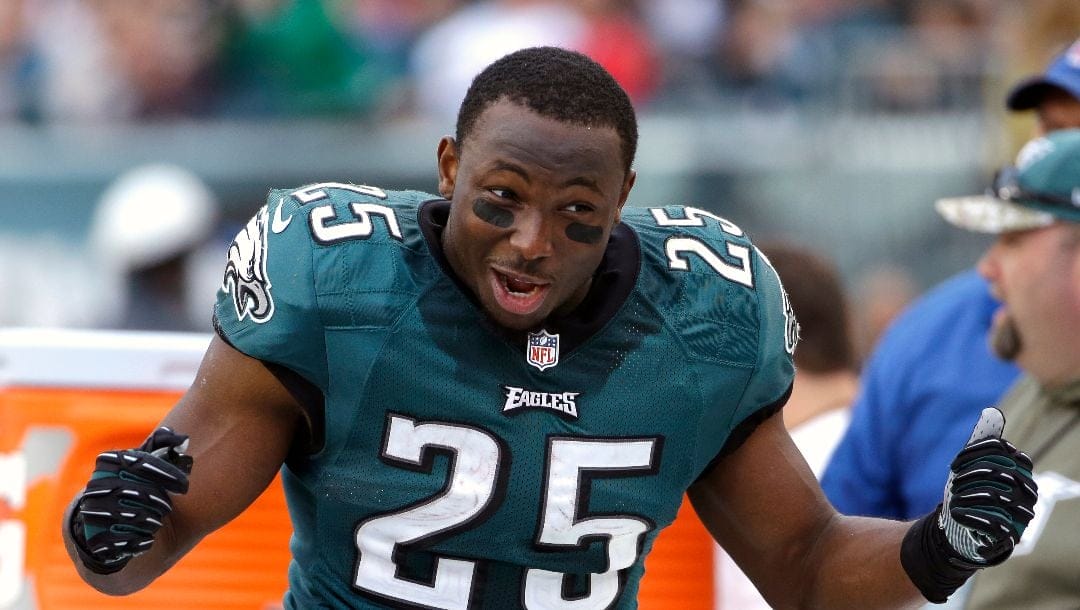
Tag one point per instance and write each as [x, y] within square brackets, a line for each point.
[817, 393]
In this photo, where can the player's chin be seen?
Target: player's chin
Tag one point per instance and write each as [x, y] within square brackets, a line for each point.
[516, 323]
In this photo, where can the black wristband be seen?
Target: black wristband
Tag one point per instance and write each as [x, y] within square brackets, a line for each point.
[930, 562]
[78, 536]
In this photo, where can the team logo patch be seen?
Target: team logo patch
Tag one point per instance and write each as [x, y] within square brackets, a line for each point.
[245, 272]
[542, 350]
[1072, 55]
[791, 325]
[563, 403]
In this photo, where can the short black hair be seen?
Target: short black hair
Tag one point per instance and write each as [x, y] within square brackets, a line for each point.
[556, 83]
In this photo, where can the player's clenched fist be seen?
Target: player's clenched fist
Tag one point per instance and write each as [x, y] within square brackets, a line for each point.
[127, 499]
[989, 501]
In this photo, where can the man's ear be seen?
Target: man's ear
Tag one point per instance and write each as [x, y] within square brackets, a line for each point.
[447, 154]
[628, 184]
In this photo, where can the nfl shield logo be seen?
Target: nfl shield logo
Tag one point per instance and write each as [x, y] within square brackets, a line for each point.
[542, 350]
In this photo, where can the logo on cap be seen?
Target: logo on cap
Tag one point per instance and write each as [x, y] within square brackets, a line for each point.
[1072, 55]
[542, 350]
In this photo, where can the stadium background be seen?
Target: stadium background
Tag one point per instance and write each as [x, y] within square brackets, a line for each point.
[833, 123]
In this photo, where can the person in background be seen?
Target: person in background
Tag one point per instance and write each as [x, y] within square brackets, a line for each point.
[114, 60]
[16, 55]
[610, 32]
[1028, 35]
[933, 372]
[826, 379]
[290, 58]
[446, 56]
[148, 231]
[583, 365]
[881, 293]
[616, 37]
[1053, 95]
[1034, 270]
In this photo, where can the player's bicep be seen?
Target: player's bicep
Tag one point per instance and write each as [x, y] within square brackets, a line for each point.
[763, 505]
[241, 421]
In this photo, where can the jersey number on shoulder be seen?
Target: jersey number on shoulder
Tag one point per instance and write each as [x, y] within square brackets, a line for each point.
[678, 247]
[328, 229]
[475, 484]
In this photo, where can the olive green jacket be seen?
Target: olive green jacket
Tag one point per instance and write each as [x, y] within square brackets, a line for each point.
[1044, 570]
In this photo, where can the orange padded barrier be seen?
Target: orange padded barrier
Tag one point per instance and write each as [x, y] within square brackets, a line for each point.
[679, 570]
[241, 566]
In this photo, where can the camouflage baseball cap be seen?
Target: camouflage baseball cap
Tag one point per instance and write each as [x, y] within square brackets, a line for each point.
[1042, 188]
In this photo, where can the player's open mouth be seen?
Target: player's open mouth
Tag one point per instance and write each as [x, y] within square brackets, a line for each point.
[516, 294]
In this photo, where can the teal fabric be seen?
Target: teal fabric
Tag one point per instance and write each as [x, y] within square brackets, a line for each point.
[1051, 166]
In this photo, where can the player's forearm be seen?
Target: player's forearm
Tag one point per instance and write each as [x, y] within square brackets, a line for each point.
[856, 564]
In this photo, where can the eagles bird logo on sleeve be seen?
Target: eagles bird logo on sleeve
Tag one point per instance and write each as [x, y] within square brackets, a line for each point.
[245, 272]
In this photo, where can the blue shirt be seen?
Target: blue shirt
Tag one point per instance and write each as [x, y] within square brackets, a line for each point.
[923, 388]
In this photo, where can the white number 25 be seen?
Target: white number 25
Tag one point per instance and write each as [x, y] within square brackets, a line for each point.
[470, 490]
[677, 247]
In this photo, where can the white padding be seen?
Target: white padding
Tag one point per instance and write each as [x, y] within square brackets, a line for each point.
[99, 359]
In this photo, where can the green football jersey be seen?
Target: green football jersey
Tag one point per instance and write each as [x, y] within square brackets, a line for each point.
[460, 466]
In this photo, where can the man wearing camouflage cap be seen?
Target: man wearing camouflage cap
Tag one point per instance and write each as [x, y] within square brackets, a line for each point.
[1034, 269]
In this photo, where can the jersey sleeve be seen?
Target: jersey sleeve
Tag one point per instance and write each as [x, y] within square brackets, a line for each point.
[778, 334]
[769, 383]
[266, 305]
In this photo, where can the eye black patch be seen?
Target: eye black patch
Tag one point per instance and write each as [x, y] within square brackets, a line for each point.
[493, 214]
[586, 234]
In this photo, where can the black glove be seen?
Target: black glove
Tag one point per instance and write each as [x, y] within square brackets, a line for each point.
[989, 500]
[127, 499]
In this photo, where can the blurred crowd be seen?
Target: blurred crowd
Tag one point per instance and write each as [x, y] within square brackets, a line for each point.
[103, 62]
[110, 60]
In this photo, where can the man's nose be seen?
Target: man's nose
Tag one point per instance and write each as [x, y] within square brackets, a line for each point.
[988, 263]
[532, 235]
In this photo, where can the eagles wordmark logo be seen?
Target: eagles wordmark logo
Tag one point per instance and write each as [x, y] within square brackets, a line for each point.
[564, 403]
[245, 272]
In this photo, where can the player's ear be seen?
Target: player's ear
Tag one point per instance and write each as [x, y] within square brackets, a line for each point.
[448, 164]
[628, 184]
